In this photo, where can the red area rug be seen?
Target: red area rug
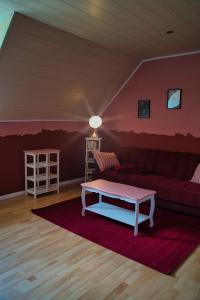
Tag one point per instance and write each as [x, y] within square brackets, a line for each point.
[163, 247]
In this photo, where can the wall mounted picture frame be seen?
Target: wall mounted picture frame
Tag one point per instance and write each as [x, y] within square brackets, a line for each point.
[174, 98]
[144, 108]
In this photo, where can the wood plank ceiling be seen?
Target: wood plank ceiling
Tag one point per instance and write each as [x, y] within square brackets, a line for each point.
[132, 29]
[136, 27]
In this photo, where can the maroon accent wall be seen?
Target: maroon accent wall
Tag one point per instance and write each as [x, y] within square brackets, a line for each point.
[114, 140]
[71, 144]
[177, 129]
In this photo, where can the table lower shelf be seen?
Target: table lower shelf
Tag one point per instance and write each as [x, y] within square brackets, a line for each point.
[116, 213]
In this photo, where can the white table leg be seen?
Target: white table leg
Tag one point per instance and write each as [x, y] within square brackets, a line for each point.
[136, 218]
[100, 199]
[83, 201]
[34, 176]
[152, 208]
[26, 181]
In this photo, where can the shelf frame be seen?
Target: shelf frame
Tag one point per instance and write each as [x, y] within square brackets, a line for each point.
[92, 144]
[47, 176]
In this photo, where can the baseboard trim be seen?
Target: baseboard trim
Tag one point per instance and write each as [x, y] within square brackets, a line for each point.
[12, 195]
[71, 181]
[62, 183]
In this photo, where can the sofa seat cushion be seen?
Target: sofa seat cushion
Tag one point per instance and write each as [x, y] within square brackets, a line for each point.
[140, 180]
[180, 191]
[146, 181]
[126, 168]
[111, 175]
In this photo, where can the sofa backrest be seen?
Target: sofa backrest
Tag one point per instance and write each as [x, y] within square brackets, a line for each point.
[166, 163]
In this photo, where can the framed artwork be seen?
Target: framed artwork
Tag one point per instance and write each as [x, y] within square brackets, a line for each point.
[144, 108]
[174, 98]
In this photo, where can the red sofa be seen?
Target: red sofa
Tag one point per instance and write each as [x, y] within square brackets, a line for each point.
[166, 172]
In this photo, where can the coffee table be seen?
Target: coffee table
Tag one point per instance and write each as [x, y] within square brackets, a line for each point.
[122, 192]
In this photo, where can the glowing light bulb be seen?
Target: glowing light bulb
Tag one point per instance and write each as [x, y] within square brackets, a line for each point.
[95, 121]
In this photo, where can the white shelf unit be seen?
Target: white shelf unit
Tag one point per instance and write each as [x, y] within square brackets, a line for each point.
[41, 171]
[92, 144]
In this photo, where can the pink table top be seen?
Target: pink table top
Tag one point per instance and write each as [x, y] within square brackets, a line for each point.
[118, 189]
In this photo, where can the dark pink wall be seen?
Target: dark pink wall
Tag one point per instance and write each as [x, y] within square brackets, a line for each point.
[151, 81]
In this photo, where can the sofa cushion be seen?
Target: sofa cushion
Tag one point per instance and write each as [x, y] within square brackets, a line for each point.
[185, 165]
[127, 169]
[164, 163]
[145, 181]
[111, 175]
[140, 158]
[123, 153]
[106, 160]
[196, 176]
[179, 191]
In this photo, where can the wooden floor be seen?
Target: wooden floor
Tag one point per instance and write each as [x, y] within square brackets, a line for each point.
[39, 260]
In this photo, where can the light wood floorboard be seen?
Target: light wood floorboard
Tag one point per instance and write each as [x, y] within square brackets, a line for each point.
[39, 260]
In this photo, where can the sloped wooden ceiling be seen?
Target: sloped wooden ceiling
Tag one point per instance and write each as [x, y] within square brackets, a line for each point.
[49, 74]
[137, 27]
[66, 75]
